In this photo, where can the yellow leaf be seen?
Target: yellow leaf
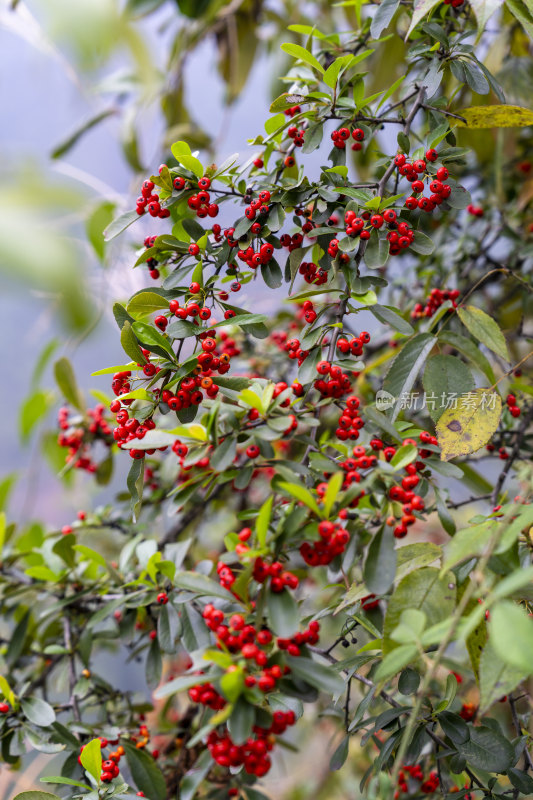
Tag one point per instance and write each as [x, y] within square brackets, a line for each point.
[496, 117]
[469, 426]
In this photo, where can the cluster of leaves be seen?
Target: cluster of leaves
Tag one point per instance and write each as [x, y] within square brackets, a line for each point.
[259, 556]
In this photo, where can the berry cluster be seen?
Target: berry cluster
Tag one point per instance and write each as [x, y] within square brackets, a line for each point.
[468, 710]
[333, 381]
[415, 773]
[149, 201]
[206, 695]
[350, 421]
[128, 428]
[332, 542]
[400, 235]
[78, 436]
[309, 636]
[436, 298]
[297, 135]
[279, 578]
[151, 262]
[110, 768]
[475, 211]
[291, 242]
[512, 406]
[360, 461]
[200, 202]
[418, 175]
[253, 754]
[312, 273]
[340, 137]
[238, 637]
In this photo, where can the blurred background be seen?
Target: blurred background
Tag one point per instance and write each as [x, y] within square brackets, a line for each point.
[93, 93]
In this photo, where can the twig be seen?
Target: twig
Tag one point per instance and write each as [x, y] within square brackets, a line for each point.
[527, 419]
[67, 634]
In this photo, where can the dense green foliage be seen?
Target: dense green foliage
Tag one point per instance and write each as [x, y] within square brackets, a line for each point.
[280, 452]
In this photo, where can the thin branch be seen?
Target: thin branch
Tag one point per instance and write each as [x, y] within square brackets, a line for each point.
[72, 679]
[515, 452]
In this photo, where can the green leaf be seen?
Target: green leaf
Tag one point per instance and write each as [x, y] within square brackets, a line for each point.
[376, 252]
[232, 684]
[422, 244]
[332, 492]
[389, 317]
[283, 613]
[263, 521]
[120, 224]
[60, 780]
[301, 493]
[341, 64]
[151, 337]
[484, 329]
[484, 9]
[322, 676]
[470, 350]
[299, 52]
[409, 681]
[511, 634]
[272, 274]
[32, 411]
[38, 711]
[467, 543]
[380, 563]
[91, 758]
[145, 303]
[522, 13]
[36, 795]
[200, 584]
[130, 344]
[91, 555]
[7, 691]
[497, 678]
[494, 116]
[340, 755]
[135, 484]
[383, 16]
[445, 377]
[425, 589]
[469, 426]
[405, 455]
[180, 684]
[521, 780]
[74, 137]
[146, 774]
[95, 225]
[395, 661]
[422, 9]
[487, 750]
[66, 380]
[405, 368]
[241, 721]
[195, 776]
[154, 664]
[411, 627]
[454, 727]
